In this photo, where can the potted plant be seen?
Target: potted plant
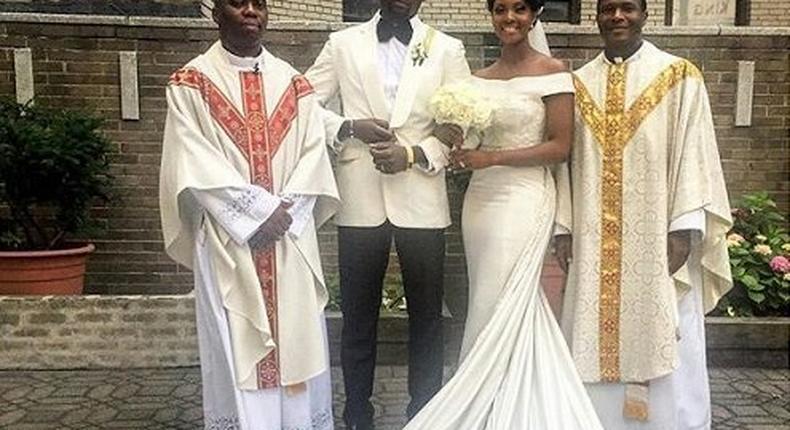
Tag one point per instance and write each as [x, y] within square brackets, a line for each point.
[751, 325]
[53, 167]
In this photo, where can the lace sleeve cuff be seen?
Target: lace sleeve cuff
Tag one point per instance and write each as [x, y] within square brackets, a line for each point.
[239, 210]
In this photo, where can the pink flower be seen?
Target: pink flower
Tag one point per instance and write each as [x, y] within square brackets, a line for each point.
[780, 264]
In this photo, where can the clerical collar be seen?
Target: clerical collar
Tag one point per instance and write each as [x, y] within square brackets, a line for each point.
[251, 63]
[620, 60]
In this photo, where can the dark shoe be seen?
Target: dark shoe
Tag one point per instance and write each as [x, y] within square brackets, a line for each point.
[368, 425]
[359, 421]
[414, 407]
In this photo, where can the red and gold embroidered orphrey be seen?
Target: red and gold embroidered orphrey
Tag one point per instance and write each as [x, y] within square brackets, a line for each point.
[258, 137]
[613, 128]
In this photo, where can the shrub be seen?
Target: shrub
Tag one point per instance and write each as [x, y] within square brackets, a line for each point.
[759, 248]
[53, 167]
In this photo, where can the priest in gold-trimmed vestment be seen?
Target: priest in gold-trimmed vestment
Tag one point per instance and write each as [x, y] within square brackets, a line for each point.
[245, 182]
[648, 224]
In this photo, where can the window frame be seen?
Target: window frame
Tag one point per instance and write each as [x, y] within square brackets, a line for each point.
[574, 13]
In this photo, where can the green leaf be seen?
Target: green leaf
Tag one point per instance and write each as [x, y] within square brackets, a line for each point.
[756, 297]
[749, 281]
[759, 287]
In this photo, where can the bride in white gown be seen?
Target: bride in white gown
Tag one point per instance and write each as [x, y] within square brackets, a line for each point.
[516, 372]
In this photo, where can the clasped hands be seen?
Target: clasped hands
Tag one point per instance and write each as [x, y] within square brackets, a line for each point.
[388, 156]
[452, 136]
[274, 228]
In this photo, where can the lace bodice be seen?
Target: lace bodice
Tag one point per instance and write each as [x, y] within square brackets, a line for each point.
[519, 116]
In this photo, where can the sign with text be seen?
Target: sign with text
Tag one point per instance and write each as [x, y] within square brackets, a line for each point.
[704, 12]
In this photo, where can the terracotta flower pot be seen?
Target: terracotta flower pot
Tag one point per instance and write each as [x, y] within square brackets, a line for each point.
[59, 272]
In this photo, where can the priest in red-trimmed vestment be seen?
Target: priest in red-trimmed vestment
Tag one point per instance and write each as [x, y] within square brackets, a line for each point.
[245, 182]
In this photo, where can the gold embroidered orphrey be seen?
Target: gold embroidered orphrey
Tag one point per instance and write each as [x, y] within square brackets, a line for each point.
[613, 128]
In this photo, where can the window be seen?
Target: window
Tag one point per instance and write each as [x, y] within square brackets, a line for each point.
[562, 11]
[743, 10]
[359, 10]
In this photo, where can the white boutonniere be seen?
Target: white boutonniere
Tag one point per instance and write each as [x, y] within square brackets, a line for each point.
[420, 51]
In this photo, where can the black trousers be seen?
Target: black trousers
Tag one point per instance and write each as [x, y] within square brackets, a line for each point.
[364, 254]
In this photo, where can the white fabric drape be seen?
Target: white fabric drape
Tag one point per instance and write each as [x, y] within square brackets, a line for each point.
[226, 406]
[516, 371]
[537, 39]
[680, 400]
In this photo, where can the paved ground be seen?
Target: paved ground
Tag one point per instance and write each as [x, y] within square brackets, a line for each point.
[753, 399]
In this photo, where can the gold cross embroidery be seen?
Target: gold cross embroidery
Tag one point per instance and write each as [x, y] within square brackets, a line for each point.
[613, 128]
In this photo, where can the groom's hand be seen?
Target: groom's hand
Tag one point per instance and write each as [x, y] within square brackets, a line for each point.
[449, 134]
[389, 157]
[370, 130]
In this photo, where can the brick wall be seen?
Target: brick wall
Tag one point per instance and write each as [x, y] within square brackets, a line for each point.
[76, 64]
[97, 331]
[314, 10]
[588, 11]
[459, 12]
[770, 13]
[655, 9]
[90, 332]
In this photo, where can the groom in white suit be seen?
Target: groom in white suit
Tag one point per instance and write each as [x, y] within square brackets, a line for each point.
[390, 172]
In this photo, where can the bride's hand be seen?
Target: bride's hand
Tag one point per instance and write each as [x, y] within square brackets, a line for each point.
[449, 134]
[472, 159]
[563, 250]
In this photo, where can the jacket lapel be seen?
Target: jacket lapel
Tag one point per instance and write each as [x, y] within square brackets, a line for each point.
[369, 70]
[410, 78]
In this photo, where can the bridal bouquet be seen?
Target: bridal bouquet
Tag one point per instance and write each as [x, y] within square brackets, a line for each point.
[462, 104]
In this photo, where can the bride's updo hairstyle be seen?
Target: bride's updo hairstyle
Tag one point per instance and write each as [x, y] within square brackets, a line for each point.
[535, 5]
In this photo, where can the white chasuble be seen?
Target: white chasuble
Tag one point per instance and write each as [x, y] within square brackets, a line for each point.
[259, 130]
[645, 155]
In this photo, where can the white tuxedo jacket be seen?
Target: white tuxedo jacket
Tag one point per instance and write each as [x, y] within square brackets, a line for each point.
[348, 67]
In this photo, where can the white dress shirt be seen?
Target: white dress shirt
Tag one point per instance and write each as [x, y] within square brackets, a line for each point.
[391, 55]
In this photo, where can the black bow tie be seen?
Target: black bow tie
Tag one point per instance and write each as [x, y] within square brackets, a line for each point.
[386, 30]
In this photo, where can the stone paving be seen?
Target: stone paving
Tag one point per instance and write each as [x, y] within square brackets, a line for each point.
[752, 399]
